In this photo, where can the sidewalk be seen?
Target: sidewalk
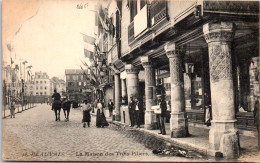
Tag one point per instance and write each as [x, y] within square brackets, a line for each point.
[198, 141]
[18, 109]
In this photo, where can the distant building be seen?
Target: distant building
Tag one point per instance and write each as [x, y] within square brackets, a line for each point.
[42, 84]
[59, 85]
[29, 88]
[77, 84]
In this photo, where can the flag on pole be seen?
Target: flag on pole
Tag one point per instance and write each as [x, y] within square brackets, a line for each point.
[89, 42]
[88, 54]
[91, 72]
[88, 39]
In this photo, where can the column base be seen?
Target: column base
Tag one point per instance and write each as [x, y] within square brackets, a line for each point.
[150, 120]
[179, 125]
[224, 139]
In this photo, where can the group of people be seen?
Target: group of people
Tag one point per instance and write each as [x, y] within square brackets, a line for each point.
[100, 116]
[86, 109]
[136, 113]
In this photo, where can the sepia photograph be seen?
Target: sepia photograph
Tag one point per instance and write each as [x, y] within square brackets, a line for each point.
[130, 81]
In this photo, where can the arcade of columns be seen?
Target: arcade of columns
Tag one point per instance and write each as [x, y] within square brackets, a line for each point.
[223, 135]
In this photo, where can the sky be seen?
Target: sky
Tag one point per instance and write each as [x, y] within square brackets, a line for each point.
[47, 33]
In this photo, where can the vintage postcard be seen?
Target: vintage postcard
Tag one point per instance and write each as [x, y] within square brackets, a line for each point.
[130, 80]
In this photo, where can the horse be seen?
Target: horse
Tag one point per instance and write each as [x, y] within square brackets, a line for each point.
[56, 106]
[66, 108]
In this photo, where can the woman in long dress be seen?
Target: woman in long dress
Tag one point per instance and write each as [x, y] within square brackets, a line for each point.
[86, 108]
[101, 119]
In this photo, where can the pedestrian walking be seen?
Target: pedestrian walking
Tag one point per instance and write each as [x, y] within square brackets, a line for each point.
[138, 112]
[86, 108]
[100, 117]
[160, 117]
[131, 111]
[75, 104]
[12, 108]
[110, 107]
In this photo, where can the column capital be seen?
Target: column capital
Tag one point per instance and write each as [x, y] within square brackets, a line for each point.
[217, 32]
[172, 50]
[130, 69]
[146, 62]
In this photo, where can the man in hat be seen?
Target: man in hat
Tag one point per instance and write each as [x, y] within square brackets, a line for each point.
[131, 108]
[138, 112]
[160, 117]
[110, 107]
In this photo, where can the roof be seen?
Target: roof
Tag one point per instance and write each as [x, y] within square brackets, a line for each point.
[74, 71]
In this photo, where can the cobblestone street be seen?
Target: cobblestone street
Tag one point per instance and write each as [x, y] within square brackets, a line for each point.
[35, 135]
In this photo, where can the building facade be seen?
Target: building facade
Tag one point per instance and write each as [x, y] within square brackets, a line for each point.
[77, 84]
[42, 84]
[59, 85]
[204, 53]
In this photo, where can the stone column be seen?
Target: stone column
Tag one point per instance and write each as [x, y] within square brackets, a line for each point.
[123, 84]
[150, 118]
[117, 96]
[178, 121]
[132, 81]
[223, 135]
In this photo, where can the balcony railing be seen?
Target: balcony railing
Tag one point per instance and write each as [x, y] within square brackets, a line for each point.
[153, 14]
[232, 6]
[158, 11]
[131, 32]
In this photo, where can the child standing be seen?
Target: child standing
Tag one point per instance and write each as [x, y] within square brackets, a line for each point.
[12, 108]
[86, 108]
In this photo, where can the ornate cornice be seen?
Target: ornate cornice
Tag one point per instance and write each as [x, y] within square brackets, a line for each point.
[130, 69]
[217, 32]
[146, 62]
[174, 53]
[219, 36]
[172, 50]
